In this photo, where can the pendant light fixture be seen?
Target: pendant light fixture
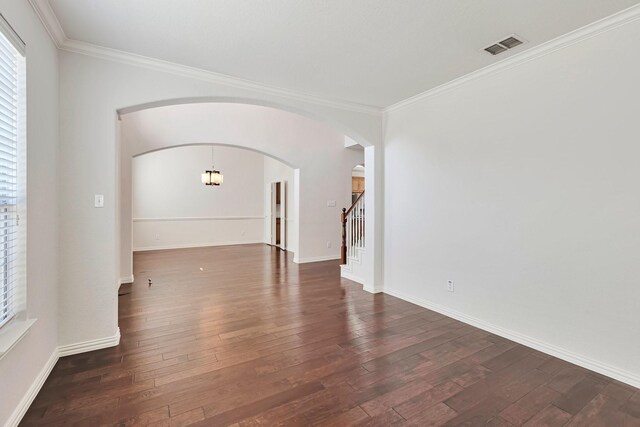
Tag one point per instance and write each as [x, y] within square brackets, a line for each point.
[212, 177]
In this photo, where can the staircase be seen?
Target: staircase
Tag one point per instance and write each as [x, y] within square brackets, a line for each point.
[353, 241]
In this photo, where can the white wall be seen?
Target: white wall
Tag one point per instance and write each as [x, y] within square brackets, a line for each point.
[172, 208]
[21, 366]
[275, 171]
[93, 89]
[522, 187]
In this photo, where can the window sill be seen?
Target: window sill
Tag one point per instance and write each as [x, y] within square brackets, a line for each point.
[12, 333]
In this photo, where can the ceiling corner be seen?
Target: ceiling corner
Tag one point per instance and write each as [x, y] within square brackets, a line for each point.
[49, 20]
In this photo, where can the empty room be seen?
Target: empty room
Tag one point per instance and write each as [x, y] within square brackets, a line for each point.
[319, 213]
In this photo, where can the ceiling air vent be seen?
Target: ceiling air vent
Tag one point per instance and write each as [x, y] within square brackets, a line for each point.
[510, 42]
[504, 45]
[495, 49]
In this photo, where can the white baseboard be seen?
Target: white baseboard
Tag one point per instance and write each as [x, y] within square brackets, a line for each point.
[128, 279]
[553, 350]
[83, 347]
[316, 259]
[371, 290]
[349, 275]
[193, 245]
[65, 350]
[32, 392]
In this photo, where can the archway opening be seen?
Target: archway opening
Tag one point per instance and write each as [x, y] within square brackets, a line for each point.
[318, 186]
[172, 208]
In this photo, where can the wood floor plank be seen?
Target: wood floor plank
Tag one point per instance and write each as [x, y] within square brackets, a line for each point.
[525, 408]
[485, 410]
[550, 416]
[436, 415]
[579, 395]
[395, 397]
[413, 408]
[248, 409]
[241, 335]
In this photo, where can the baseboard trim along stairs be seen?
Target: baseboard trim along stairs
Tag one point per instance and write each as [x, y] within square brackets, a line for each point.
[353, 269]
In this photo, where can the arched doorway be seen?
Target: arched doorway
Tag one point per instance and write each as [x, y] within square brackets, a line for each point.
[316, 150]
[172, 208]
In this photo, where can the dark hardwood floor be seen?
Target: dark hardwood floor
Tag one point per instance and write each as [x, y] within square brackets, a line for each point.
[240, 335]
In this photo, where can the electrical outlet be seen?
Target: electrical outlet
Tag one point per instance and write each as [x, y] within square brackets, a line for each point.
[328, 244]
[450, 286]
[157, 236]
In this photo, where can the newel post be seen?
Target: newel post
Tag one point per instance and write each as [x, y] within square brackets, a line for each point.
[343, 248]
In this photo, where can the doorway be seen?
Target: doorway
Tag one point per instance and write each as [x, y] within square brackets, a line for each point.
[357, 182]
[278, 214]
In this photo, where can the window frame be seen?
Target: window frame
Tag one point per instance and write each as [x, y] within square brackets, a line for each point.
[13, 328]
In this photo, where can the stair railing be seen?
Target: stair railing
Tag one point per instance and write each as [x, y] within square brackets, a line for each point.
[352, 229]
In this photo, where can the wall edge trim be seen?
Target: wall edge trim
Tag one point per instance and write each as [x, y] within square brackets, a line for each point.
[194, 245]
[316, 259]
[350, 276]
[553, 350]
[127, 279]
[33, 390]
[91, 345]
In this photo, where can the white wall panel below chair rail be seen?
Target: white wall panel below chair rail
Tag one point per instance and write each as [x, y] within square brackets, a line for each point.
[170, 233]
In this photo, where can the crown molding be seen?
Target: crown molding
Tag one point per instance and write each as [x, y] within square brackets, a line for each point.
[598, 27]
[52, 25]
[209, 76]
[50, 21]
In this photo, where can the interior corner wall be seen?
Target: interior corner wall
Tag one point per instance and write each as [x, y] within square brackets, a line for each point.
[173, 209]
[124, 199]
[522, 187]
[28, 362]
[276, 171]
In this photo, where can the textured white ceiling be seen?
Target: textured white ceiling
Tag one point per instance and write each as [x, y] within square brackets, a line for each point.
[373, 52]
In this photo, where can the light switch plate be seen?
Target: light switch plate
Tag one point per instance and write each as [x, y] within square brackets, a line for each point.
[98, 201]
[331, 203]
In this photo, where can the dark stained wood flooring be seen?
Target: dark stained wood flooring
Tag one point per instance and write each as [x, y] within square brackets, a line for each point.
[241, 336]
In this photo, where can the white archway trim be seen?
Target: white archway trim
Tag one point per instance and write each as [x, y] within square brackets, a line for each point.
[221, 144]
[357, 138]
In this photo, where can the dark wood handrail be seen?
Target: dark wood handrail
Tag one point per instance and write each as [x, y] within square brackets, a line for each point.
[348, 211]
[343, 220]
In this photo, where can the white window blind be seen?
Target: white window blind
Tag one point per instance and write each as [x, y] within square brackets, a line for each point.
[11, 57]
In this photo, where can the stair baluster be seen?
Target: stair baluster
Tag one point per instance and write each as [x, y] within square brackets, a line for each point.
[352, 220]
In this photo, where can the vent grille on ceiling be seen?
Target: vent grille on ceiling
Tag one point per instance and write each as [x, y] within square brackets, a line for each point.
[504, 45]
[495, 49]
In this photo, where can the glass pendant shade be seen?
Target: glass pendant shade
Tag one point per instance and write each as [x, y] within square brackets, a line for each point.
[213, 177]
[217, 178]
